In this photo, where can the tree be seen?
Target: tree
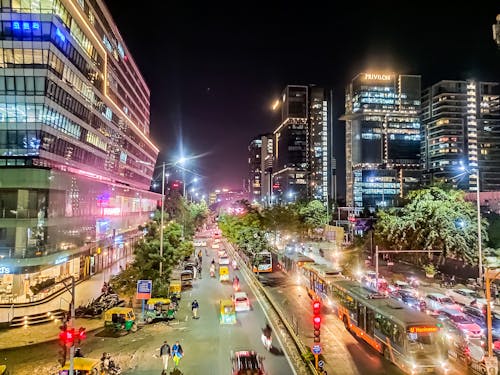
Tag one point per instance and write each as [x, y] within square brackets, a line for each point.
[314, 214]
[433, 218]
[146, 264]
[281, 219]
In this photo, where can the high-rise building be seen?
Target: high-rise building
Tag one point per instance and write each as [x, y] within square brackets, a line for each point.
[382, 138]
[461, 128]
[254, 169]
[302, 145]
[319, 175]
[266, 167]
[291, 150]
[76, 159]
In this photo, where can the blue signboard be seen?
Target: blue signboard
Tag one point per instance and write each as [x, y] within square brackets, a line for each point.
[144, 288]
[316, 349]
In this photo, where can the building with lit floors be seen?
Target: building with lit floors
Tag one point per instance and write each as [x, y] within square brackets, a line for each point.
[266, 167]
[382, 138]
[461, 127]
[301, 145]
[76, 159]
[254, 183]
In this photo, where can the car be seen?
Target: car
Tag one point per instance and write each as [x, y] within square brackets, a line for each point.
[247, 362]
[462, 322]
[435, 302]
[466, 297]
[224, 260]
[199, 243]
[222, 253]
[407, 297]
[478, 316]
[215, 246]
[241, 301]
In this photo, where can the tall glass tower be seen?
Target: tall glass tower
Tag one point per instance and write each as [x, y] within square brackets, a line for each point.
[382, 138]
[76, 159]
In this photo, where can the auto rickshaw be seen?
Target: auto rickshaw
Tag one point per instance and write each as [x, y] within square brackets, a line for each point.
[82, 366]
[3, 370]
[175, 288]
[159, 308]
[120, 318]
[186, 278]
[227, 312]
[223, 273]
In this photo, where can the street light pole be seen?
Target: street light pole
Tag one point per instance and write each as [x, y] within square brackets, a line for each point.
[161, 221]
[479, 238]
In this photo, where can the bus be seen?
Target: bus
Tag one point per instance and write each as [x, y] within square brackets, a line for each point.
[291, 263]
[317, 279]
[263, 262]
[408, 338]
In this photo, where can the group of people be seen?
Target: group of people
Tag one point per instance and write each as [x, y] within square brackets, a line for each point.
[175, 352]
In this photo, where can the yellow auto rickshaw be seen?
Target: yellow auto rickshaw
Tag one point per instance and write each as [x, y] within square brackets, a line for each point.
[223, 273]
[227, 312]
[84, 366]
[175, 288]
[159, 308]
[3, 370]
[120, 318]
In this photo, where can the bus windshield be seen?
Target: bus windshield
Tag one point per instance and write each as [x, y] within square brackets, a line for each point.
[421, 343]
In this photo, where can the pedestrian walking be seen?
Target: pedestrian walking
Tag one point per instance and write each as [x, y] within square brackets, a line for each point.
[199, 271]
[165, 355]
[194, 309]
[177, 353]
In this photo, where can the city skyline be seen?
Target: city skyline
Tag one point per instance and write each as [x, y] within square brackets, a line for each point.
[214, 72]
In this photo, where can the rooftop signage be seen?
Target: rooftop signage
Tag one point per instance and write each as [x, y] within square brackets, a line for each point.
[378, 77]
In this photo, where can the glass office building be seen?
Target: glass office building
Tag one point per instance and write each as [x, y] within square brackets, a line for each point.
[461, 129]
[76, 159]
[382, 138]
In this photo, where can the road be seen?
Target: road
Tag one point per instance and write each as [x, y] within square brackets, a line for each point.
[343, 353]
[207, 344]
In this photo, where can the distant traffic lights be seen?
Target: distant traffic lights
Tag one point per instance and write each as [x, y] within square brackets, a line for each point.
[317, 320]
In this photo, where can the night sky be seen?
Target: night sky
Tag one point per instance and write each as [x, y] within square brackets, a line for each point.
[214, 70]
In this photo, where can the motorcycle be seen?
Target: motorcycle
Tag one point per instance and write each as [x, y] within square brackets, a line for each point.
[212, 271]
[236, 285]
[267, 341]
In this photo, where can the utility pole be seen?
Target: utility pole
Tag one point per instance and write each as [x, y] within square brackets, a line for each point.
[161, 221]
[71, 289]
[479, 239]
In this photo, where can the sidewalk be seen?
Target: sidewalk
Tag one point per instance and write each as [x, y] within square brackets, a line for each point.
[85, 291]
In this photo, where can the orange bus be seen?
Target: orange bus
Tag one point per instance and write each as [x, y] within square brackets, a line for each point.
[406, 337]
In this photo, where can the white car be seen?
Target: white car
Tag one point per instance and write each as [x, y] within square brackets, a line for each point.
[224, 260]
[437, 301]
[215, 246]
[466, 296]
[241, 301]
[199, 243]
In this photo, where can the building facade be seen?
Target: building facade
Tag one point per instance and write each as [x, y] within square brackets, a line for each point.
[301, 153]
[382, 138]
[266, 167]
[76, 159]
[254, 169]
[461, 131]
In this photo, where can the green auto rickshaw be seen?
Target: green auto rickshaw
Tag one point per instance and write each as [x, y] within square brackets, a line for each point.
[120, 318]
[159, 308]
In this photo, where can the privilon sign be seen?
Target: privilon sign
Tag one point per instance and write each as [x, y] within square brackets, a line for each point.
[378, 77]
